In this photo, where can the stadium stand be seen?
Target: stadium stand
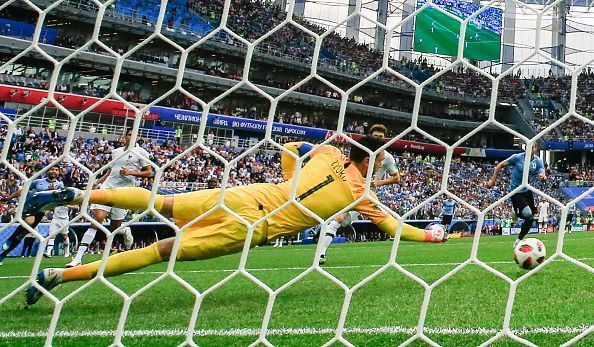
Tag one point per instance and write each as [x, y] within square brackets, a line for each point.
[31, 150]
[547, 96]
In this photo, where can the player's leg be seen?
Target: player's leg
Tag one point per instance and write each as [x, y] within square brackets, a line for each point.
[330, 234]
[128, 238]
[50, 247]
[28, 245]
[130, 198]
[53, 230]
[446, 220]
[66, 241]
[116, 264]
[19, 233]
[279, 242]
[99, 213]
[116, 217]
[24, 249]
[62, 228]
[197, 242]
[525, 207]
[12, 242]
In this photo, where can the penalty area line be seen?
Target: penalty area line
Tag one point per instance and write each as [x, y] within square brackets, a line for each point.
[293, 331]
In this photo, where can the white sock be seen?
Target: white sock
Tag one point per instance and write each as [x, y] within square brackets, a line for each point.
[87, 238]
[66, 246]
[330, 233]
[50, 246]
[128, 238]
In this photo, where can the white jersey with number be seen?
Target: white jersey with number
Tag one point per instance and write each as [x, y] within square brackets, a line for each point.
[130, 161]
[388, 167]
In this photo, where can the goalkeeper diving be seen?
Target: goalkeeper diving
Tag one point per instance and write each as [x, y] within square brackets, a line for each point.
[328, 182]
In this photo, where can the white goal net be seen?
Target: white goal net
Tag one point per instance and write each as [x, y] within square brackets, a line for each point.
[331, 79]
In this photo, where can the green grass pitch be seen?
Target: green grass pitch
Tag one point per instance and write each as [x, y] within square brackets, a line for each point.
[437, 33]
[551, 307]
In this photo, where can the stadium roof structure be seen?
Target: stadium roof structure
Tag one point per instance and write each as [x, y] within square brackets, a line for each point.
[577, 3]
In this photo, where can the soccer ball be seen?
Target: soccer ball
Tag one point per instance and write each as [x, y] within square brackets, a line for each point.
[529, 253]
[437, 232]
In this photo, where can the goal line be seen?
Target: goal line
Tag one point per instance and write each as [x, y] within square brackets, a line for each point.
[295, 331]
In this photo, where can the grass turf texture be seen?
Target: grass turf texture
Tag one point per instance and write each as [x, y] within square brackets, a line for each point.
[486, 47]
[561, 295]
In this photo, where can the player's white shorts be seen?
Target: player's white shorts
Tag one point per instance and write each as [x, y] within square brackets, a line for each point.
[114, 212]
[349, 218]
[543, 219]
[58, 223]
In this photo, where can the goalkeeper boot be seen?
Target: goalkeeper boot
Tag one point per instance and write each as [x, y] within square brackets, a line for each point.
[48, 279]
[49, 199]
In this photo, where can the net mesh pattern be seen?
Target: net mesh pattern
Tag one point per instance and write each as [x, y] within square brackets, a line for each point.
[340, 134]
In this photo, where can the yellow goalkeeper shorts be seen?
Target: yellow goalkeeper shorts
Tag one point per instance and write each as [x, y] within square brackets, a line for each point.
[219, 232]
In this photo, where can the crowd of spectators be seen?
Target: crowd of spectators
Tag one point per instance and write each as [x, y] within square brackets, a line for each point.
[252, 19]
[336, 51]
[582, 175]
[467, 179]
[549, 97]
[31, 151]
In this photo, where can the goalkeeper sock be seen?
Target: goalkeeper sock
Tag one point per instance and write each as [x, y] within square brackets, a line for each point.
[410, 233]
[117, 264]
[130, 198]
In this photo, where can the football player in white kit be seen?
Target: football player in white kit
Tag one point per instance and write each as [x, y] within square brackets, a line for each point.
[543, 216]
[123, 173]
[387, 174]
[59, 224]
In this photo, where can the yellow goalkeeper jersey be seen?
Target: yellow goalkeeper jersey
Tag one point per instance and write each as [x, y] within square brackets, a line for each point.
[326, 184]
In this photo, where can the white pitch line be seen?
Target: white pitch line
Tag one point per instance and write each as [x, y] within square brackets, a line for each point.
[411, 244]
[293, 331]
[301, 268]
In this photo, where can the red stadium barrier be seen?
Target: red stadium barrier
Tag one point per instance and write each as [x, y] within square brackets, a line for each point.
[32, 96]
